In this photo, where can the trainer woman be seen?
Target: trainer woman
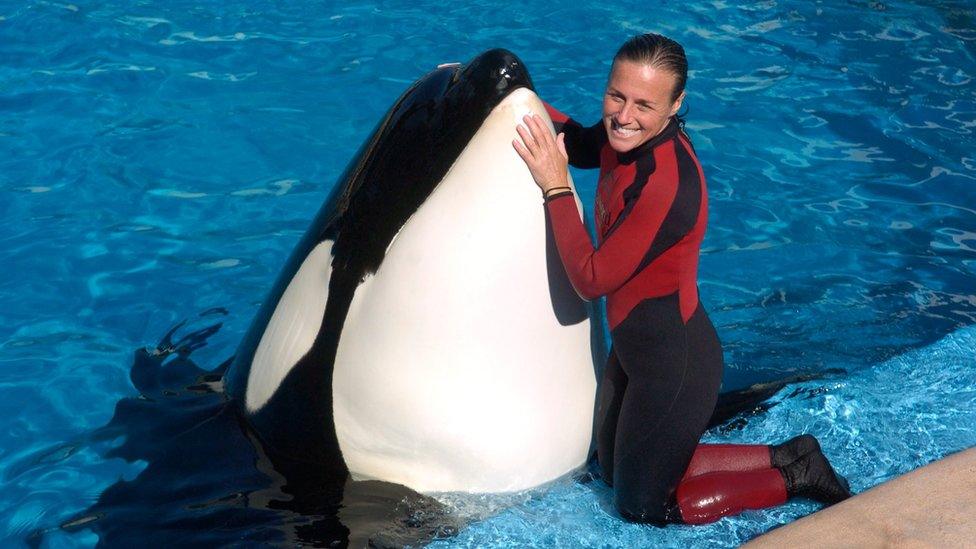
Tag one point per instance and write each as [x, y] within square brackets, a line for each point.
[662, 377]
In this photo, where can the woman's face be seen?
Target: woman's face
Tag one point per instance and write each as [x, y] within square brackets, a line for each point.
[637, 104]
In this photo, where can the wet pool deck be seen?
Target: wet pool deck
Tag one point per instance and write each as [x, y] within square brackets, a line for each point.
[933, 506]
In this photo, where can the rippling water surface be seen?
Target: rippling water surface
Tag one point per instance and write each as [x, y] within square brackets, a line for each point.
[159, 160]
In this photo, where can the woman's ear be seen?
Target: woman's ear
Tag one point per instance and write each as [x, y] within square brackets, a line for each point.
[677, 104]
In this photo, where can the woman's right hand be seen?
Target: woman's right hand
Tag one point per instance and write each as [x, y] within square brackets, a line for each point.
[544, 155]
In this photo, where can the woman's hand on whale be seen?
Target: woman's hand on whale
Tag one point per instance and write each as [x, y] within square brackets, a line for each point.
[544, 155]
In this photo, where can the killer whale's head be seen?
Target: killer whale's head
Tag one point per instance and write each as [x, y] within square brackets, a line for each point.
[409, 153]
[376, 327]
[489, 78]
[394, 172]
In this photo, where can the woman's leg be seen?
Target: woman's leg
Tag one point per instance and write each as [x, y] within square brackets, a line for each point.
[748, 457]
[673, 379]
[726, 479]
[673, 374]
[611, 397]
[711, 496]
[709, 458]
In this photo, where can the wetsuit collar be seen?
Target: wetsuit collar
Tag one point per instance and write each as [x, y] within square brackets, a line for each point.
[667, 133]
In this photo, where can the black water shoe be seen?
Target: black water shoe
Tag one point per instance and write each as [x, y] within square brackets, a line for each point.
[781, 455]
[811, 476]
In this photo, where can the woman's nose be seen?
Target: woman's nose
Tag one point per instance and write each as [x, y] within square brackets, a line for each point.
[625, 115]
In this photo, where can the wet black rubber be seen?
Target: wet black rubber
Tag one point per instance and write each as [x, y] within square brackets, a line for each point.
[781, 455]
[811, 476]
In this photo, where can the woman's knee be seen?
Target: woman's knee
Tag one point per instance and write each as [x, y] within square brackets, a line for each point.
[646, 498]
[655, 510]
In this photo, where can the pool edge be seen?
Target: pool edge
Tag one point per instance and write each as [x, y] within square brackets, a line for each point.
[930, 506]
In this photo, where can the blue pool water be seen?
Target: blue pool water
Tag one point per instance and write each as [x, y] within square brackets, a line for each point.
[160, 160]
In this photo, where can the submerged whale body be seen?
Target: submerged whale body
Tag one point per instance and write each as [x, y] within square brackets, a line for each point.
[423, 331]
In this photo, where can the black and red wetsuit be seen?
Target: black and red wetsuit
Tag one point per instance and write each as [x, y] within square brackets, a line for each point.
[663, 375]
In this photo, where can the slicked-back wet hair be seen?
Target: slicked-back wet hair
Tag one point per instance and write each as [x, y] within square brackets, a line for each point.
[659, 52]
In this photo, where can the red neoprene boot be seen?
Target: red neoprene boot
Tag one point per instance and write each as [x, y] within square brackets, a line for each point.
[709, 497]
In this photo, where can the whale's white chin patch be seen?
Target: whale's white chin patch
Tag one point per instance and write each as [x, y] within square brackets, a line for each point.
[293, 327]
[452, 372]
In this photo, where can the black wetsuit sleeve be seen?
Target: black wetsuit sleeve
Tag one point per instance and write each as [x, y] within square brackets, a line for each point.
[583, 144]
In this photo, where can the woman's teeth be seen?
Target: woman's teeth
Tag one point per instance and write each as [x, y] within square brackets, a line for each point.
[624, 132]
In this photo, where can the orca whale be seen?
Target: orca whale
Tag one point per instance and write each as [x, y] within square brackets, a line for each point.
[423, 331]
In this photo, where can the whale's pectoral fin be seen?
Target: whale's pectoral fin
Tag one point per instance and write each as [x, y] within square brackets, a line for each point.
[166, 368]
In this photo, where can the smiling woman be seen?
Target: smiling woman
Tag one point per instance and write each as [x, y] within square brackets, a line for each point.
[639, 102]
[663, 375]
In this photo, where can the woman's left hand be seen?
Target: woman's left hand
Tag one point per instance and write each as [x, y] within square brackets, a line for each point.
[544, 155]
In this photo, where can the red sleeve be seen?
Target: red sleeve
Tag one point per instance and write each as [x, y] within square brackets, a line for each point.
[599, 271]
